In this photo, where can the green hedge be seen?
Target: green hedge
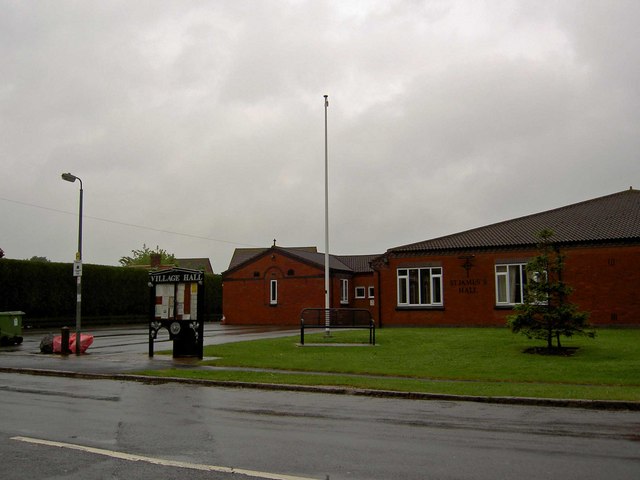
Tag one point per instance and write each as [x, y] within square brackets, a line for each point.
[213, 296]
[46, 292]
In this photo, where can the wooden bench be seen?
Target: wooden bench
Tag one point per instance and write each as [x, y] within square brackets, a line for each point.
[337, 318]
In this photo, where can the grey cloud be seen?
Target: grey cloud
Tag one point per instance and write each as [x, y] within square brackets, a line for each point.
[207, 118]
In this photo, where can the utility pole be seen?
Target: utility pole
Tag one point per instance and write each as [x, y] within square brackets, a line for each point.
[327, 285]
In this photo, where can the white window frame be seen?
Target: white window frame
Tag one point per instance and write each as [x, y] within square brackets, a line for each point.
[511, 283]
[371, 292]
[362, 290]
[420, 287]
[344, 291]
[273, 292]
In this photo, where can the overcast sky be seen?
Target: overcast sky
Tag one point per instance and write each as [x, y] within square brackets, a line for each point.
[198, 126]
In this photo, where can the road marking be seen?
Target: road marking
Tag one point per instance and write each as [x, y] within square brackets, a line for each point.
[159, 461]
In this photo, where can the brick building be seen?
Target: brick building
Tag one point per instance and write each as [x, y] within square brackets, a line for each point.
[477, 276]
[271, 286]
[466, 279]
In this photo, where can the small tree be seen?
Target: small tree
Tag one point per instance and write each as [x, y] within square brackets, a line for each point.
[545, 313]
[143, 257]
[36, 258]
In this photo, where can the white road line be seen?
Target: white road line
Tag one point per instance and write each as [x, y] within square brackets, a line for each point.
[158, 461]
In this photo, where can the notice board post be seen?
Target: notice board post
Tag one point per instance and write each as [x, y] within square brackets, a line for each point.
[177, 304]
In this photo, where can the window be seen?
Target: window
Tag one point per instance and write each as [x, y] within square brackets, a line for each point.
[344, 291]
[543, 290]
[420, 286]
[360, 292]
[371, 292]
[511, 281]
[273, 292]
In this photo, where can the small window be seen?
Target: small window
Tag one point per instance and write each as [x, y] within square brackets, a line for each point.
[360, 292]
[273, 292]
[372, 292]
[344, 291]
[511, 282]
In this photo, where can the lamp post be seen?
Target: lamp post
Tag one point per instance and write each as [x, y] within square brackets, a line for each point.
[77, 265]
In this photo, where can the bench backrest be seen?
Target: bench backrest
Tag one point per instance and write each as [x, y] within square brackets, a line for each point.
[338, 317]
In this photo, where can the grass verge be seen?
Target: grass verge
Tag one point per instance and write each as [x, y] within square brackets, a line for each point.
[463, 361]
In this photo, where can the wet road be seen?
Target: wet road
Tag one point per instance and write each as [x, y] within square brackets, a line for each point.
[273, 434]
[56, 427]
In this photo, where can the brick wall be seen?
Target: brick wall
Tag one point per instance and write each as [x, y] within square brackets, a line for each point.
[604, 280]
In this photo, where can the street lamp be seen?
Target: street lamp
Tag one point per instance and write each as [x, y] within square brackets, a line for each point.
[77, 265]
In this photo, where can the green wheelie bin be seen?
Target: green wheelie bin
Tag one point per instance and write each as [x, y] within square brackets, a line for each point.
[11, 328]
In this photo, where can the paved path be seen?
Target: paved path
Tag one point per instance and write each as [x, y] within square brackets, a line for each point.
[123, 350]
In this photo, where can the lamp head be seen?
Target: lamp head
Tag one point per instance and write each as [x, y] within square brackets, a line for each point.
[68, 177]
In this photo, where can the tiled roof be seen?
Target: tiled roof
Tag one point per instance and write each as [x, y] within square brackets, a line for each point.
[358, 263]
[188, 263]
[307, 254]
[195, 264]
[318, 259]
[610, 218]
[241, 255]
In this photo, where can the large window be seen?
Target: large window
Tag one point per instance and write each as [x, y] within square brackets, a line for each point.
[511, 281]
[420, 286]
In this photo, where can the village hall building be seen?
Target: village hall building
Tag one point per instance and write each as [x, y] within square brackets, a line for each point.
[472, 278]
[271, 286]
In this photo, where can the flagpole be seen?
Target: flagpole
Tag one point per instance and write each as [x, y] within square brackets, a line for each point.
[327, 286]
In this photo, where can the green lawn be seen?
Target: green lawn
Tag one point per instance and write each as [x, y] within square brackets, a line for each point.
[467, 361]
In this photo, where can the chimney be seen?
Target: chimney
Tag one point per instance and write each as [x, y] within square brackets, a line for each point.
[154, 259]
